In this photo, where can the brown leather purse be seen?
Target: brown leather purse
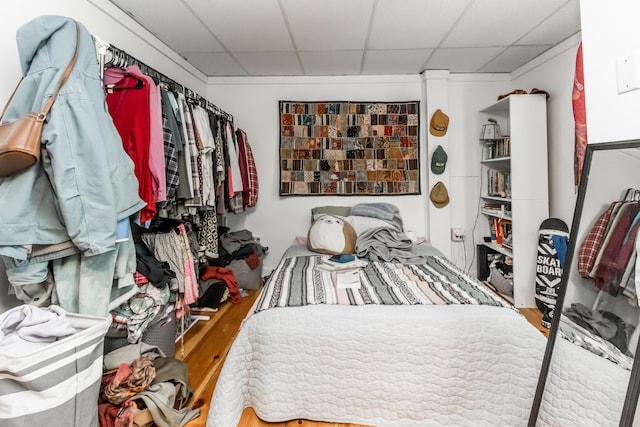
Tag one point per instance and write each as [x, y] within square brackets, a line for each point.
[20, 139]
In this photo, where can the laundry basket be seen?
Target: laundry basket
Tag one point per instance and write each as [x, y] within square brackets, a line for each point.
[59, 383]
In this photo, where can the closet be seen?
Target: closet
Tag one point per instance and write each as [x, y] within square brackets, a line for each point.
[193, 168]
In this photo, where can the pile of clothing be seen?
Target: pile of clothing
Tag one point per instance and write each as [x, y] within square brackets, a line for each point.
[501, 273]
[141, 387]
[239, 265]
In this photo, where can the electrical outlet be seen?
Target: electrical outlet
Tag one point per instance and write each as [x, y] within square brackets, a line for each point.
[457, 234]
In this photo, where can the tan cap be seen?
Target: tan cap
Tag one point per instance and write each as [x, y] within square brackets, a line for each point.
[439, 195]
[439, 123]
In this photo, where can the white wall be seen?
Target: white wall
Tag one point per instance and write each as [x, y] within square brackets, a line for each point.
[610, 31]
[468, 93]
[554, 72]
[276, 220]
[107, 22]
[254, 104]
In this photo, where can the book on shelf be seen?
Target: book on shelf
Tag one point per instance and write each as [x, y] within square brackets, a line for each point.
[503, 147]
[495, 149]
[498, 183]
[500, 229]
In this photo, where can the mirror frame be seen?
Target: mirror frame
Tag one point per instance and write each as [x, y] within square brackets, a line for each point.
[633, 387]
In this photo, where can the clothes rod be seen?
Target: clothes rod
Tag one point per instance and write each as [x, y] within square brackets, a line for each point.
[120, 58]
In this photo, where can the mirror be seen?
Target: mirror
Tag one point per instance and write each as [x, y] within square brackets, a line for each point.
[589, 375]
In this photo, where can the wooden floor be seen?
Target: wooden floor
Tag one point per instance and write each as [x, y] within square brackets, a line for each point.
[206, 345]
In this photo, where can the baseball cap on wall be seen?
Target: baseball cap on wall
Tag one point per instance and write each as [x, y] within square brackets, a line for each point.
[438, 160]
[439, 195]
[439, 123]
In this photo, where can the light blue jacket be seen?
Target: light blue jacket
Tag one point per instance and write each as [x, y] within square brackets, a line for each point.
[84, 182]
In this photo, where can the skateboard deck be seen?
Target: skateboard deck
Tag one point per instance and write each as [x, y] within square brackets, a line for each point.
[553, 236]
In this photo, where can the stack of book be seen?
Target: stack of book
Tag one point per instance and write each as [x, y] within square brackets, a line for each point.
[495, 208]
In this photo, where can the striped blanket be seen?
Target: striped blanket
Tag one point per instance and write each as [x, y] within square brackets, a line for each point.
[297, 282]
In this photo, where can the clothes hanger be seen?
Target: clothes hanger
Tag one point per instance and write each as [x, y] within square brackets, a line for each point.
[139, 84]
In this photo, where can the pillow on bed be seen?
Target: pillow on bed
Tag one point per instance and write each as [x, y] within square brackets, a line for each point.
[330, 234]
[330, 210]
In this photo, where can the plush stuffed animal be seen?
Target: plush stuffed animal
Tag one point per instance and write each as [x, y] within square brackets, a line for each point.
[331, 235]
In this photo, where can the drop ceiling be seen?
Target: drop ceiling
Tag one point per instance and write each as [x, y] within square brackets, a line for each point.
[356, 37]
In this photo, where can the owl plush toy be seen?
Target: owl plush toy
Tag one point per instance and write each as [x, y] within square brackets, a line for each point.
[331, 235]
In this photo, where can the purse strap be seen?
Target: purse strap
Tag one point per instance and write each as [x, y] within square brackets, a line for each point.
[63, 80]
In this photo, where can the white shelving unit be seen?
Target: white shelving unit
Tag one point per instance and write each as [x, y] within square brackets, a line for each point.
[524, 199]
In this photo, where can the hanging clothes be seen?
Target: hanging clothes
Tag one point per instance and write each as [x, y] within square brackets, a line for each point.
[222, 191]
[128, 99]
[244, 169]
[248, 169]
[618, 250]
[253, 177]
[67, 205]
[215, 125]
[592, 243]
[207, 142]
[615, 218]
[235, 176]
[172, 139]
[156, 143]
[173, 247]
[191, 152]
[84, 182]
[86, 285]
[185, 186]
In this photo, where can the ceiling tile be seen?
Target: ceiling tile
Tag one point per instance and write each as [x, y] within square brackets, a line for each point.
[395, 61]
[512, 58]
[318, 37]
[462, 59]
[173, 23]
[331, 63]
[215, 64]
[245, 25]
[328, 24]
[269, 64]
[560, 26]
[499, 22]
[413, 24]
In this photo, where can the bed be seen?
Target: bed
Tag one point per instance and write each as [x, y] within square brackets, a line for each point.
[417, 345]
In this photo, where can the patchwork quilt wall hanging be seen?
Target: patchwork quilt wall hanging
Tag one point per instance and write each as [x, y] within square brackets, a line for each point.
[345, 148]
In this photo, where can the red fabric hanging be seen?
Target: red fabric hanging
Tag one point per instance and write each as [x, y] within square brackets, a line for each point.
[580, 117]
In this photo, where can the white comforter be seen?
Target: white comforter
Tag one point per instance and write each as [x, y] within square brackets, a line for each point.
[456, 365]
[582, 389]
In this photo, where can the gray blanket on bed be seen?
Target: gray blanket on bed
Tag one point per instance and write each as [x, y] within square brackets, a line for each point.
[387, 245]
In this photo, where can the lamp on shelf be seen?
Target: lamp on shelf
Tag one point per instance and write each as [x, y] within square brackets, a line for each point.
[491, 130]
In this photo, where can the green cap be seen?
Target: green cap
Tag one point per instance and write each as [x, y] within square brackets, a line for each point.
[438, 160]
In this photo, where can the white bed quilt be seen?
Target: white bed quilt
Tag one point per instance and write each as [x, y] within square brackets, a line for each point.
[455, 365]
[582, 389]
